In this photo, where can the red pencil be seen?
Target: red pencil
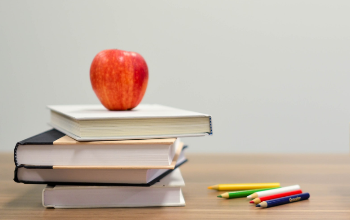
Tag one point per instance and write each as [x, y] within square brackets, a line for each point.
[279, 195]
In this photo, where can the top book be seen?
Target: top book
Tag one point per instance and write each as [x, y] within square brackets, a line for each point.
[94, 122]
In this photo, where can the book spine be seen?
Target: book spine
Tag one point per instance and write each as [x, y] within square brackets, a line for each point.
[15, 178]
[15, 155]
[211, 126]
[44, 138]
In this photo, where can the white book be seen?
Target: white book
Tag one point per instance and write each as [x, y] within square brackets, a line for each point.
[93, 176]
[69, 152]
[95, 122]
[167, 192]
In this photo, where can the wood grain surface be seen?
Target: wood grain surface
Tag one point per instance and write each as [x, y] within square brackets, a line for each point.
[325, 177]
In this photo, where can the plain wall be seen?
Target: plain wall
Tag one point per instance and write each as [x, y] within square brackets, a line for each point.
[274, 75]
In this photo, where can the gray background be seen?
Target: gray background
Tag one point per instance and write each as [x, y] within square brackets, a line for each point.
[273, 74]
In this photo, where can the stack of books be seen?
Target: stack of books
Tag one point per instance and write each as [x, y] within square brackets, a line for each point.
[99, 158]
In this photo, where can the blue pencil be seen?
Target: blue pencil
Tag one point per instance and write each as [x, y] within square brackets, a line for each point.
[284, 200]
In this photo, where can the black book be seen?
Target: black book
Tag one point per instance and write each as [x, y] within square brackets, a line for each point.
[51, 158]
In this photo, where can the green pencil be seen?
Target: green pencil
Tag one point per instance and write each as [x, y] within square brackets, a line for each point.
[244, 193]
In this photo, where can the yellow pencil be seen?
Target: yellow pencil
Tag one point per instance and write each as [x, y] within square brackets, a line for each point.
[243, 186]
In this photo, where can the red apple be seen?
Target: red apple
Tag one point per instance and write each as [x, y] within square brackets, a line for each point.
[119, 78]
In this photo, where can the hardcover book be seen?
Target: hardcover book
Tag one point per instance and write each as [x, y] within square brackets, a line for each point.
[56, 150]
[93, 177]
[167, 192]
[94, 122]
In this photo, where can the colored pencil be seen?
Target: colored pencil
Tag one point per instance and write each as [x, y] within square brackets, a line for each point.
[284, 200]
[237, 194]
[244, 186]
[280, 195]
[273, 191]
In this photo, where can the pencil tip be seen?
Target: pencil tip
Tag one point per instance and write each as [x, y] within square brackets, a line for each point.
[251, 201]
[219, 196]
[210, 187]
[249, 197]
[258, 205]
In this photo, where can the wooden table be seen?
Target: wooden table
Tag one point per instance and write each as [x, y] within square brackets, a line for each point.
[325, 177]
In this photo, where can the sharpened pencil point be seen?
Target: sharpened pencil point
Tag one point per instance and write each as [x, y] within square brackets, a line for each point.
[251, 201]
[219, 196]
[216, 187]
[249, 197]
[258, 205]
